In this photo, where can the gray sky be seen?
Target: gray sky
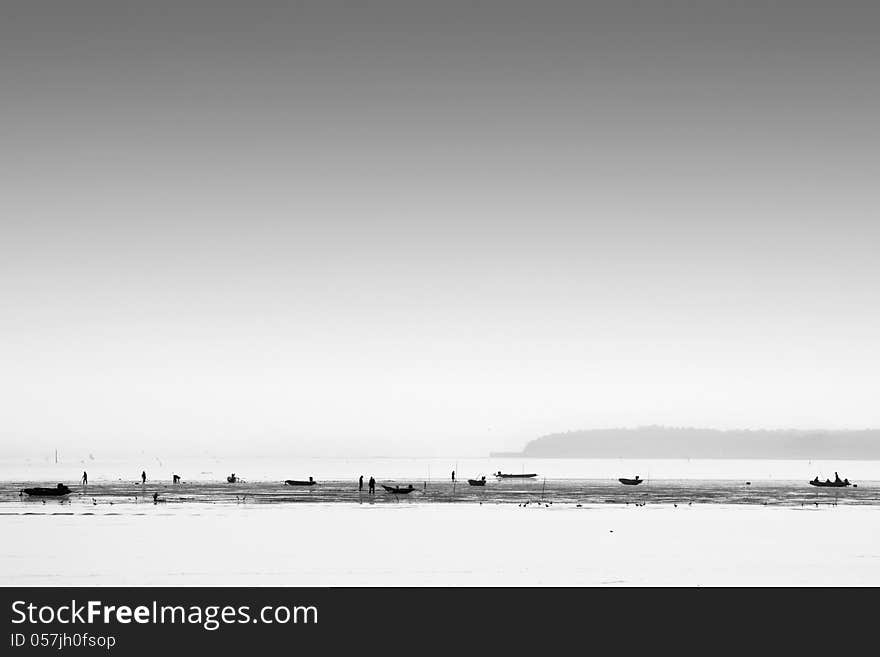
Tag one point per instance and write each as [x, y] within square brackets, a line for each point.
[434, 227]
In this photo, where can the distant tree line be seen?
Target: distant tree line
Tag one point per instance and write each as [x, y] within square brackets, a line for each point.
[690, 442]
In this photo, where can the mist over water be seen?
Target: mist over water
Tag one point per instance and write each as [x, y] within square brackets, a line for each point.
[433, 228]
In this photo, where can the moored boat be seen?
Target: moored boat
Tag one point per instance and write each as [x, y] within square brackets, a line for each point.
[477, 482]
[300, 482]
[837, 483]
[399, 490]
[502, 475]
[830, 484]
[630, 482]
[38, 491]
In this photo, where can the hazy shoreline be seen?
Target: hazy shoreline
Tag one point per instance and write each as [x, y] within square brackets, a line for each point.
[657, 442]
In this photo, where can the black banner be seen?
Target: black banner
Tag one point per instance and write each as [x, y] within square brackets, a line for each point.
[143, 621]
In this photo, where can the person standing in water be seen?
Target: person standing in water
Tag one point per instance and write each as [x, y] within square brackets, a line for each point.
[85, 478]
[361, 484]
[453, 476]
[372, 485]
[144, 477]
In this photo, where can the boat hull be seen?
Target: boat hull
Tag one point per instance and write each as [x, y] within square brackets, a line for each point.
[516, 476]
[398, 491]
[829, 484]
[477, 482]
[296, 482]
[47, 492]
[630, 482]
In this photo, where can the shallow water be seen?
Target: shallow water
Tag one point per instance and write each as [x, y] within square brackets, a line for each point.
[560, 481]
[127, 497]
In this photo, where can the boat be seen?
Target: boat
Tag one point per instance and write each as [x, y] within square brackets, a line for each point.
[58, 491]
[399, 490]
[502, 475]
[231, 479]
[300, 482]
[477, 482]
[830, 484]
[630, 482]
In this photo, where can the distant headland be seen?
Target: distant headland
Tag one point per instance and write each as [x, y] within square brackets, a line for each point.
[661, 442]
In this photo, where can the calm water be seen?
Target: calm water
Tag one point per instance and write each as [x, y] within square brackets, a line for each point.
[413, 544]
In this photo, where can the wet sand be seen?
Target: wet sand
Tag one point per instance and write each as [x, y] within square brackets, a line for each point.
[122, 494]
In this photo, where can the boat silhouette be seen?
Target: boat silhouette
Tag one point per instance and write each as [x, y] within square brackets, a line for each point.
[399, 490]
[831, 484]
[502, 475]
[58, 491]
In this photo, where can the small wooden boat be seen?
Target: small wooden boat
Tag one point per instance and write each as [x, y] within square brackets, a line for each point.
[830, 484]
[300, 482]
[477, 482]
[58, 491]
[399, 490]
[630, 482]
[502, 475]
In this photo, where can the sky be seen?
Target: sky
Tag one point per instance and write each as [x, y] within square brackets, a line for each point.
[433, 228]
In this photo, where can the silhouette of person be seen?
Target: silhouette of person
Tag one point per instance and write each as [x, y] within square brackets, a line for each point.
[372, 485]
[361, 483]
[836, 478]
[85, 478]
[144, 477]
[453, 475]
[155, 498]
[176, 479]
